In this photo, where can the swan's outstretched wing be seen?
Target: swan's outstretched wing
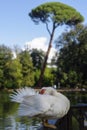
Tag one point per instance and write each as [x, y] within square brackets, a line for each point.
[19, 94]
[33, 106]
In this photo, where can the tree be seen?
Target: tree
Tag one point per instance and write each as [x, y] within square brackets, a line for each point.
[5, 56]
[13, 76]
[37, 58]
[58, 14]
[1, 78]
[27, 68]
[49, 77]
[73, 56]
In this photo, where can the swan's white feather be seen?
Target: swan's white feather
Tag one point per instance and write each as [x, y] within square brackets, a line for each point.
[19, 94]
[42, 106]
[32, 106]
[49, 105]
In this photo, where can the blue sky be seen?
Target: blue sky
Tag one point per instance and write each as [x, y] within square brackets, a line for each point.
[16, 28]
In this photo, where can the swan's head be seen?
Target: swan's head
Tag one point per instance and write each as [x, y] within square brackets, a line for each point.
[48, 91]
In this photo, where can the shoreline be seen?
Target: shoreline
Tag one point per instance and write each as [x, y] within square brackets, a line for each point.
[59, 90]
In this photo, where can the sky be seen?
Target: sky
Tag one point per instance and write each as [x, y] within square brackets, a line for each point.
[17, 28]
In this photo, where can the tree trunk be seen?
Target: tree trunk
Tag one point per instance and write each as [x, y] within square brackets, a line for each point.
[45, 60]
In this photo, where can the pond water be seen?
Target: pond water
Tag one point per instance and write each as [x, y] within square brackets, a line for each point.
[8, 112]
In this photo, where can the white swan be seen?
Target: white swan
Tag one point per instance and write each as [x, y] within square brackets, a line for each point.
[47, 104]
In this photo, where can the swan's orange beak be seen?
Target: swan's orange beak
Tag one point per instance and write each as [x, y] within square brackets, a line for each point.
[42, 91]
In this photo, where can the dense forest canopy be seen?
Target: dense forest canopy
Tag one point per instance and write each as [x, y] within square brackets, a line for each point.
[72, 60]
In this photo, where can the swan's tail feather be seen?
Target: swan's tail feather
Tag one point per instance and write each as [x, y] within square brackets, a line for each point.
[19, 94]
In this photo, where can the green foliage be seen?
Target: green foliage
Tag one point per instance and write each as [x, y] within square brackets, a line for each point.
[5, 57]
[75, 123]
[13, 77]
[27, 68]
[36, 76]
[73, 55]
[48, 79]
[15, 72]
[59, 14]
[72, 79]
[37, 58]
[1, 77]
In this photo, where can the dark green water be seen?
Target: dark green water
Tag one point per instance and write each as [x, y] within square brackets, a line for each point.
[8, 112]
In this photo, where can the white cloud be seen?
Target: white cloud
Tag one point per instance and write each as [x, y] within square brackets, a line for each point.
[40, 43]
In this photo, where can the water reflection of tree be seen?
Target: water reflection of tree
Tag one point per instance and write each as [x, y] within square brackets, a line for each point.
[6, 107]
[77, 97]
